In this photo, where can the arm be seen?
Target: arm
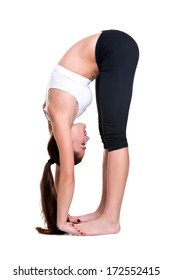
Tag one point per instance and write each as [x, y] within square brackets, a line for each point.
[49, 123]
[61, 122]
[65, 184]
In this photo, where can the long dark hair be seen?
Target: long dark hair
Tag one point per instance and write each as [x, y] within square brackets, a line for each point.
[48, 191]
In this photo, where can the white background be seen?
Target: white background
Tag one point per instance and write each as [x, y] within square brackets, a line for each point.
[34, 35]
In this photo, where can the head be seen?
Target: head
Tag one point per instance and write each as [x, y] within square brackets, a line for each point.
[79, 140]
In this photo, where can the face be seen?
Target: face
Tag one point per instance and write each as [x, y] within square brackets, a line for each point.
[79, 138]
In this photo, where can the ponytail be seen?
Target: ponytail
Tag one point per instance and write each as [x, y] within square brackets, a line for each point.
[48, 202]
[48, 191]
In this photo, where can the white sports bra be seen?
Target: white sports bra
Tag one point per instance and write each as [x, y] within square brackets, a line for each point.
[75, 84]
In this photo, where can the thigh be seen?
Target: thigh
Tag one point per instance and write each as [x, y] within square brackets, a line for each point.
[114, 86]
[99, 110]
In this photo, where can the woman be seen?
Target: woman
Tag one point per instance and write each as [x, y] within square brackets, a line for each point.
[110, 57]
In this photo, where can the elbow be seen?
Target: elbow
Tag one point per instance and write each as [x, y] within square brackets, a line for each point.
[67, 180]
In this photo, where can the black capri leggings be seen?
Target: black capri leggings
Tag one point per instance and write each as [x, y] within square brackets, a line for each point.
[117, 56]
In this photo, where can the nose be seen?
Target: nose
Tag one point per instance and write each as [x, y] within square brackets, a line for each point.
[86, 138]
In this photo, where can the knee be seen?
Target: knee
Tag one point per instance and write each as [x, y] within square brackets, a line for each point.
[114, 139]
[116, 142]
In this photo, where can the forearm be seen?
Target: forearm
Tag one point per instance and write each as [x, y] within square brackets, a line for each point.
[65, 193]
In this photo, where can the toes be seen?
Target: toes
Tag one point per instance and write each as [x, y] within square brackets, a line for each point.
[78, 230]
[74, 220]
[72, 225]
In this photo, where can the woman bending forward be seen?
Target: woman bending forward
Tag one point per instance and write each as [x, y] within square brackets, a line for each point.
[110, 58]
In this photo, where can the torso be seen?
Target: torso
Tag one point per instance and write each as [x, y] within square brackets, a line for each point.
[80, 58]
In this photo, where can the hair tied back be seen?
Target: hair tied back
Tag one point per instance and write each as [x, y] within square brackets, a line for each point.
[51, 161]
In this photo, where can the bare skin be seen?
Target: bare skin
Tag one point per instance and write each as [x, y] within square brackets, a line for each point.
[80, 58]
[101, 207]
[62, 111]
[64, 195]
[115, 170]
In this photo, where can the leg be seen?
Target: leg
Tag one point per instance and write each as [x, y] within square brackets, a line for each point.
[118, 167]
[114, 91]
[117, 172]
[101, 207]
[102, 204]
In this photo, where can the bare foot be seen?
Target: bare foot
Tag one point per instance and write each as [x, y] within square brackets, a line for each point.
[84, 218]
[99, 226]
[69, 228]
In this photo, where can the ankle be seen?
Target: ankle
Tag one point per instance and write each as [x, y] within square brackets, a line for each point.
[113, 221]
[99, 211]
[61, 225]
[114, 224]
